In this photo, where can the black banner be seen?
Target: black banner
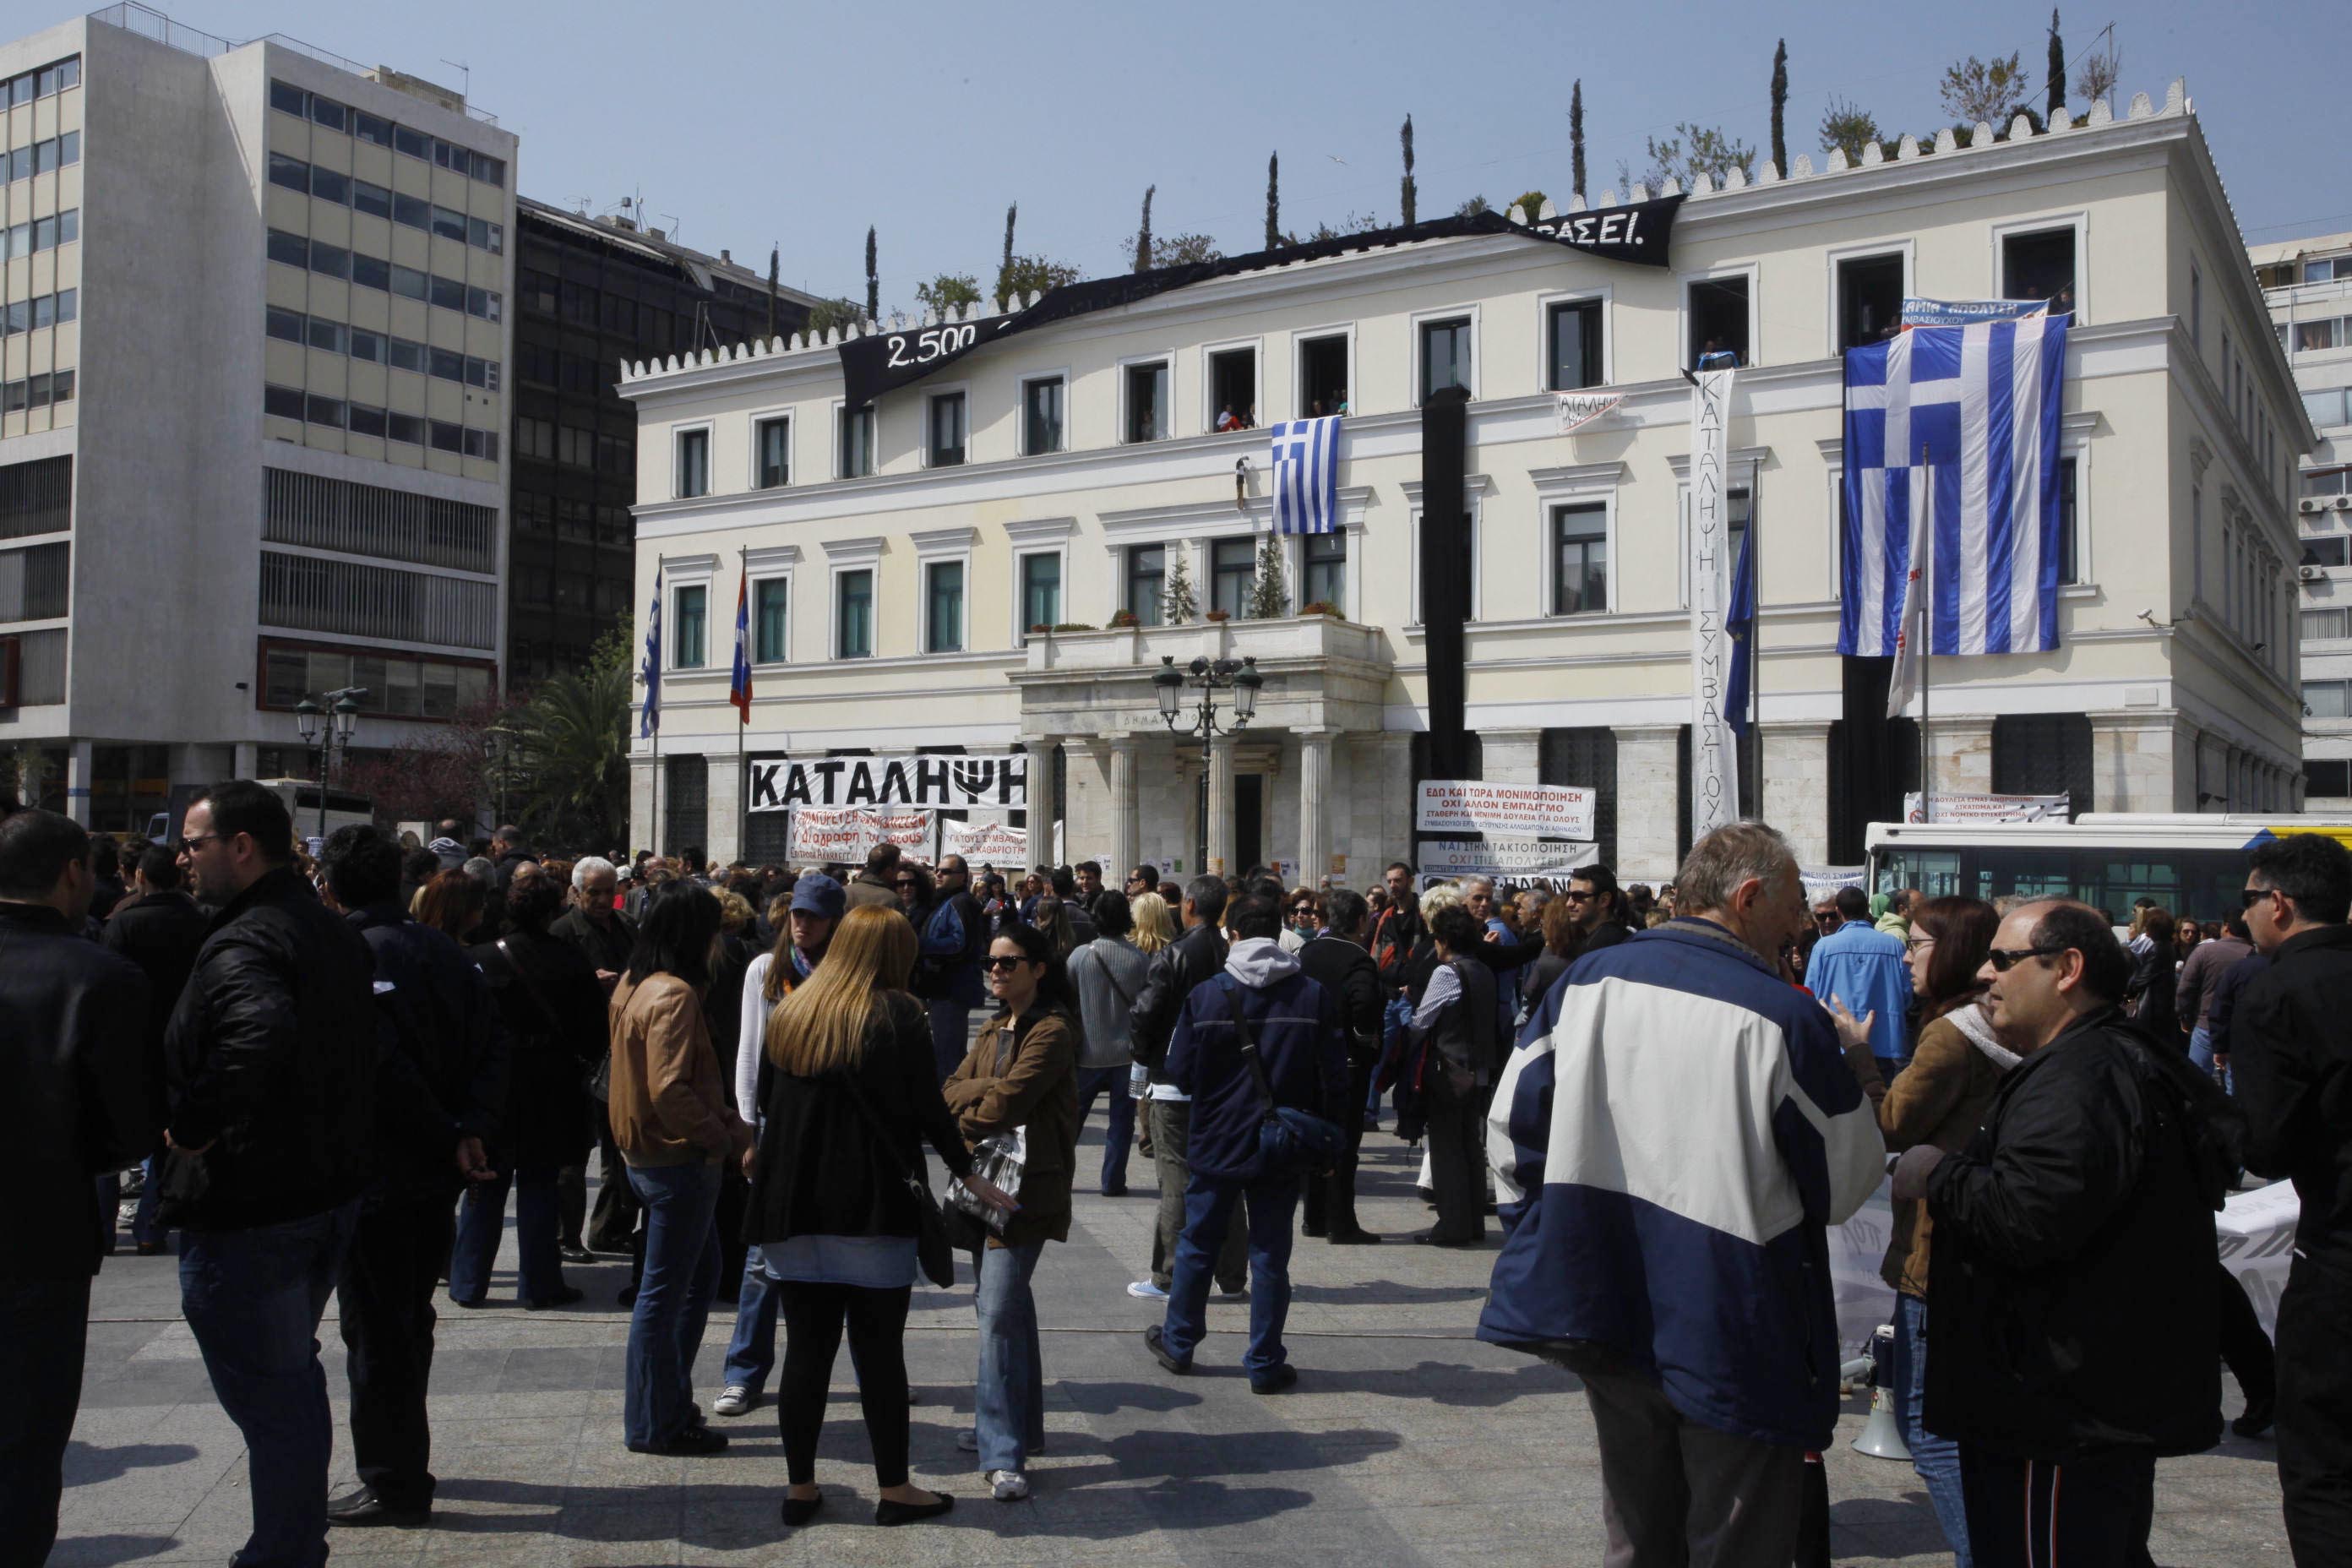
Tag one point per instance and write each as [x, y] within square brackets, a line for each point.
[1637, 233]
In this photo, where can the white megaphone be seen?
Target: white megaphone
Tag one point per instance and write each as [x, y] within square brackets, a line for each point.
[1881, 1434]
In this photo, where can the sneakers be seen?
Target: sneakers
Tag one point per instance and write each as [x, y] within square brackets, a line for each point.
[1145, 1290]
[1007, 1486]
[733, 1400]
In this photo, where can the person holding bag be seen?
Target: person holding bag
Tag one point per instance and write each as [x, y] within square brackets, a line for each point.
[840, 1205]
[1020, 1077]
[1456, 1054]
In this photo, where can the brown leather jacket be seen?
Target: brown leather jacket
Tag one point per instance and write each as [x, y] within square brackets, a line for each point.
[1034, 1085]
[669, 1103]
[1939, 1098]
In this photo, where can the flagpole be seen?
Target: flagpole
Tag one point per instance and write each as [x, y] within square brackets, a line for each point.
[1926, 599]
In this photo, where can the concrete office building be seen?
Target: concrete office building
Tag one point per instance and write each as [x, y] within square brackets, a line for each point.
[253, 439]
[1054, 478]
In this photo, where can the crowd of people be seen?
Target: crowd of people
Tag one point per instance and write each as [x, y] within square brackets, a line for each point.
[332, 1073]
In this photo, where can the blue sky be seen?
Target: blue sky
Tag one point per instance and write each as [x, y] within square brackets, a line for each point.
[748, 125]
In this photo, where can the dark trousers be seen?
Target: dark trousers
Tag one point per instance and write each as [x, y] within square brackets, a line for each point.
[571, 1202]
[2245, 1348]
[613, 1220]
[1458, 1168]
[1676, 1494]
[386, 1303]
[814, 1315]
[2314, 1414]
[2030, 1513]
[1331, 1198]
[44, 1325]
[482, 1225]
[1171, 1130]
[734, 1197]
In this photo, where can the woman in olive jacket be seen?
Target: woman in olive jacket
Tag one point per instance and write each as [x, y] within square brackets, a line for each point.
[1022, 1075]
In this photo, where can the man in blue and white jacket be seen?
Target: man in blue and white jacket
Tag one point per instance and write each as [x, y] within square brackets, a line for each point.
[1671, 1138]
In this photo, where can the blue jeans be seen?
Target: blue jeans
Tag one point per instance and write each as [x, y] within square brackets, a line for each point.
[751, 1351]
[673, 1304]
[1118, 1137]
[950, 1034]
[1009, 1399]
[482, 1223]
[1208, 1214]
[253, 1299]
[2200, 1051]
[1937, 1459]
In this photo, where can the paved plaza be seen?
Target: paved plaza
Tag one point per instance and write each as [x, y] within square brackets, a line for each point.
[1405, 1440]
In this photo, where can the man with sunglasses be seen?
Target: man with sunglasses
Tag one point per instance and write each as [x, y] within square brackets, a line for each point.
[2291, 1048]
[2088, 1191]
[1592, 895]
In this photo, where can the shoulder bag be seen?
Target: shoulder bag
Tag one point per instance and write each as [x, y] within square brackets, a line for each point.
[999, 1158]
[932, 1248]
[1289, 1141]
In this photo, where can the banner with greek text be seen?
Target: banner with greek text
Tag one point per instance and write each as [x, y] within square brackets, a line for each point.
[844, 833]
[1943, 808]
[1714, 754]
[985, 843]
[1505, 857]
[1526, 811]
[779, 784]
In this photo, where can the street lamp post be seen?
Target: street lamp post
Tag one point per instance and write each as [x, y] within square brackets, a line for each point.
[329, 731]
[1208, 677]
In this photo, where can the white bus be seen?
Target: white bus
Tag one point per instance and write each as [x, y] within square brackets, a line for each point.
[2193, 865]
[301, 798]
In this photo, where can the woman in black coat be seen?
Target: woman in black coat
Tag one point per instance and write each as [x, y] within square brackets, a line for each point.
[554, 1009]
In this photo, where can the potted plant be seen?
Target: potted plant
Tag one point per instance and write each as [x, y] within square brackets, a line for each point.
[1073, 627]
[1215, 617]
[1038, 628]
[1320, 607]
[1122, 620]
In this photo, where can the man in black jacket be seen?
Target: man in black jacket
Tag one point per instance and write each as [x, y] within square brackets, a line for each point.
[1338, 962]
[2086, 1190]
[1592, 893]
[1198, 955]
[160, 931]
[84, 1100]
[270, 1064]
[604, 936]
[2291, 1044]
[440, 1086]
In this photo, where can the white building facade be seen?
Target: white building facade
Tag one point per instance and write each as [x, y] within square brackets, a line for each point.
[251, 442]
[1056, 480]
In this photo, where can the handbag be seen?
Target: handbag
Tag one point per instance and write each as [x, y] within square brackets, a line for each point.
[1000, 1158]
[932, 1248]
[1290, 1141]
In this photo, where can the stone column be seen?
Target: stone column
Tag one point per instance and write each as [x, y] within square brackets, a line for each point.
[1125, 848]
[1960, 749]
[723, 821]
[1315, 806]
[1219, 825]
[245, 758]
[643, 830]
[78, 780]
[1511, 756]
[1797, 786]
[2133, 762]
[1648, 788]
[1044, 808]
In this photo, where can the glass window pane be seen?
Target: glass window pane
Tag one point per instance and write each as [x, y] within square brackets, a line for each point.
[770, 598]
[1445, 355]
[292, 172]
[1581, 570]
[370, 271]
[373, 200]
[692, 634]
[1232, 570]
[326, 111]
[291, 248]
[1327, 571]
[284, 325]
[775, 453]
[1575, 345]
[287, 97]
[856, 617]
[946, 429]
[332, 260]
[1146, 582]
[1042, 424]
[329, 186]
[1041, 591]
[944, 617]
[414, 211]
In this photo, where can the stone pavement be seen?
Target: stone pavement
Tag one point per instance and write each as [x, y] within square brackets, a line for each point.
[1405, 1441]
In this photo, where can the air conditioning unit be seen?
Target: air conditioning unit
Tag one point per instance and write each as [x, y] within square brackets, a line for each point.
[2310, 503]
[2308, 574]
[2342, 503]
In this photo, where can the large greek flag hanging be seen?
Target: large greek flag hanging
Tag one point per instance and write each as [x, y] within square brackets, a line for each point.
[1307, 475]
[1960, 422]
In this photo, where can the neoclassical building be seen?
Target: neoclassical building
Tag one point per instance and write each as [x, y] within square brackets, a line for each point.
[899, 554]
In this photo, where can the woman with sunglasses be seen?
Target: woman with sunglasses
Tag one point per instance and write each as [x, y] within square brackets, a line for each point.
[1020, 1076]
[917, 891]
[1302, 918]
[1939, 1098]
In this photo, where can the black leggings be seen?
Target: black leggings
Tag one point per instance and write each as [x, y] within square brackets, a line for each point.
[877, 1330]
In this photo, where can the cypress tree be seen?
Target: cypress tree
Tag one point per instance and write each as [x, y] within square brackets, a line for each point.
[1406, 190]
[873, 280]
[2057, 99]
[1143, 234]
[1273, 201]
[1004, 268]
[776, 258]
[1781, 106]
[1576, 135]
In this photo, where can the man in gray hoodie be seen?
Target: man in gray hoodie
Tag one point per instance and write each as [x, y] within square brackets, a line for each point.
[1107, 974]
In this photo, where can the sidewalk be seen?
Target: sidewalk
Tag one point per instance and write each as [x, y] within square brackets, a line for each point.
[1405, 1441]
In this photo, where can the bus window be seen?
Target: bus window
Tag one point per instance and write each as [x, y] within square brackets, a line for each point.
[2006, 871]
[1934, 872]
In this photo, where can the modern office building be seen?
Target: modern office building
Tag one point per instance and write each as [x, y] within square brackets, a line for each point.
[591, 292]
[253, 438]
[2308, 283]
[899, 562]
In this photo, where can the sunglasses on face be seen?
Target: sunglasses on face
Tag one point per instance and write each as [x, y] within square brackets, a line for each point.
[1002, 965]
[2253, 896]
[2005, 958]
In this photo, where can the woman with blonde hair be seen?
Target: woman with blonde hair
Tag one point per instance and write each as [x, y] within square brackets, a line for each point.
[847, 1090]
[1155, 926]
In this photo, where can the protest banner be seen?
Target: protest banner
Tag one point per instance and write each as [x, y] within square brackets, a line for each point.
[1525, 811]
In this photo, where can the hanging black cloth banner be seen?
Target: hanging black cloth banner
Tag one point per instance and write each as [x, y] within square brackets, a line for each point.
[1635, 234]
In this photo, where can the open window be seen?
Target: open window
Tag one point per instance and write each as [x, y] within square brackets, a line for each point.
[1040, 417]
[1146, 391]
[1572, 329]
[947, 413]
[1719, 320]
[1233, 389]
[1323, 376]
[1147, 581]
[1445, 350]
[1232, 571]
[2040, 266]
[1870, 300]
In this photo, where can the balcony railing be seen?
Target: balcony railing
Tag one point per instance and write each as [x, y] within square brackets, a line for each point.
[150, 23]
[1291, 640]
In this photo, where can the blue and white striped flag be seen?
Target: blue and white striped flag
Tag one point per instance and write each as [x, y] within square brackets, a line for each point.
[1307, 475]
[1960, 422]
[649, 672]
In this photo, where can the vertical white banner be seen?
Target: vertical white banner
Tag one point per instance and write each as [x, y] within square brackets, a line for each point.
[1714, 753]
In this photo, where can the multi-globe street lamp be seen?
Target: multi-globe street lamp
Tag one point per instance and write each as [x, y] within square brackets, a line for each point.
[1208, 677]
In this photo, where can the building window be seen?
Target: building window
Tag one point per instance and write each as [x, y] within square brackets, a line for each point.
[1718, 320]
[773, 440]
[2069, 564]
[1041, 591]
[1146, 389]
[2040, 266]
[854, 614]
[1323, 376]
[1324, 577]
[857, 442]
[2327, 549]
[1580, 572]
[946, 429]
[1040, 417]
[2043, 753]
[2322, 776]
[1232, 570]
[1573, 334]
[1445, 355]
[943, 607]
[686, 803]
[689, 645]
[1870, 300]
[771, 599]
[1147, 581]
[1586, 759]
[693, 464]
[1233, 389]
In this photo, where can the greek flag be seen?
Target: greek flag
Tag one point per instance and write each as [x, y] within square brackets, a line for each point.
[649, 719]
[1307, 475]
[1960, 426]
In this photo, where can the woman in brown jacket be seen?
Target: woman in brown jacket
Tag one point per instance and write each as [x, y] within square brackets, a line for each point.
[1939, 1098]
[1023, 1075]
[676, 1132]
